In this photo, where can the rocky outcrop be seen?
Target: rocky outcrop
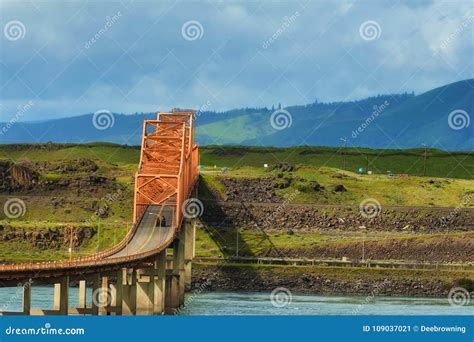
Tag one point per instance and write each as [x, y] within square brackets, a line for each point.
[14, 176]
[49, 238]
[252, 190]
[63, 166]
[281, 216]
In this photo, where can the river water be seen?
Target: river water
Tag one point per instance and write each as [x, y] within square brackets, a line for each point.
[260, 303]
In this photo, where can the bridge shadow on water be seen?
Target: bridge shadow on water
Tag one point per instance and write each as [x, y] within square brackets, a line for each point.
[235, 246]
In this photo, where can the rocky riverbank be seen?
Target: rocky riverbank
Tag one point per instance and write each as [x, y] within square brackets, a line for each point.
[330, 280]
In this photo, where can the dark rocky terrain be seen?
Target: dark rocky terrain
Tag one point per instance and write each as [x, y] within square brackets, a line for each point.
[322, 281]
[312, 217]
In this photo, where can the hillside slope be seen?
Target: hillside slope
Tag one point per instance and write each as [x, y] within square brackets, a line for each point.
[386, 121]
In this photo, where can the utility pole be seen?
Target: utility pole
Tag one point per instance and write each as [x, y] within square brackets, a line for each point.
[343, 152]
[367, 163]
[364, 236]
[424, 161]
[237, 242]
[70, 242]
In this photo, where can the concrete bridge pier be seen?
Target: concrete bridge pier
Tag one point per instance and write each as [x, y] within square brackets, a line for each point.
[61, 296]
[172, 288]
[103, 295]
[128, 291]
[189, 227]
[145, 292]
[82, 294]
[178, 278]
[148, 289]
[159, 284]
[27, 298]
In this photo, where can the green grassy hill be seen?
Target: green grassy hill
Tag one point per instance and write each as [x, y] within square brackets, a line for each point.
[404, 121]
[66, 195]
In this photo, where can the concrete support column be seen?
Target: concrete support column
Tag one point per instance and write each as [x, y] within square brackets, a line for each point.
[113, 299]
[171, 292]
[61, 296]
[159, 284]
[145, 292]
[129, 291]
[189, 250]
[117, 299]
[103, 296]
[27, 297]
[95, 293]
[175, 277]
[82, 294]
[178, 263]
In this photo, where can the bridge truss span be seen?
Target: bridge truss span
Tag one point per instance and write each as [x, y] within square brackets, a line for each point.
[167, 173]
[168, 164]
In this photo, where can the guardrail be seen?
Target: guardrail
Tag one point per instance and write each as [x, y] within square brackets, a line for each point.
[79, 263]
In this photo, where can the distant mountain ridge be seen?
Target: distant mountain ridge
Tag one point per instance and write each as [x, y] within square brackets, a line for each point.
[384, 121]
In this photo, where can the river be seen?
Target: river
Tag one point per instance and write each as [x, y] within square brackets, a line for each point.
[260, 303]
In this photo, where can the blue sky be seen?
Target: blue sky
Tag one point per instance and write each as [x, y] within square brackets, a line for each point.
[71, 58]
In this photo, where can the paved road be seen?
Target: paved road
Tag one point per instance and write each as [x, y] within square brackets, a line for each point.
[149, 234]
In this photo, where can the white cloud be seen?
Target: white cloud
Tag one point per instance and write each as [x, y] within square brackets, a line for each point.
[320, 55]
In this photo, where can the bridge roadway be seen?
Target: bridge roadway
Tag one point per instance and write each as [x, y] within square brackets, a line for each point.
[145, 241]
[150, 234]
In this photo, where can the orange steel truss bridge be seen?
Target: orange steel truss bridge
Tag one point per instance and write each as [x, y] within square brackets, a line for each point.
[137, 274]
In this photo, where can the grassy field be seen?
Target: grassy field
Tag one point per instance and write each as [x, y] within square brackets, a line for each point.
[393, 191]
[438, 163]
[447, 183]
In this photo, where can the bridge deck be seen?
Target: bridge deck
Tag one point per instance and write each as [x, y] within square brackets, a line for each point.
[148, 239]
[150, 234]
